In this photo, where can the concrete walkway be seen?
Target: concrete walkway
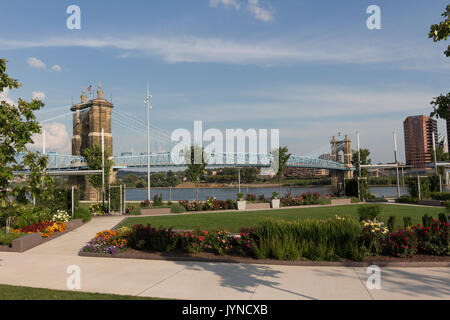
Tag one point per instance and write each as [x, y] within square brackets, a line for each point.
[45, 267]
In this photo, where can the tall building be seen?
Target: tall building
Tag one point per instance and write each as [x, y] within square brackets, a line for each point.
[418, 132]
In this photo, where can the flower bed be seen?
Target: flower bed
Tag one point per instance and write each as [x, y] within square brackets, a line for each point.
[333, 239]
[210, 204]
[300, 200]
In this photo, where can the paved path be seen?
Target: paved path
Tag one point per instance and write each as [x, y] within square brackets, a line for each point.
[45, 267]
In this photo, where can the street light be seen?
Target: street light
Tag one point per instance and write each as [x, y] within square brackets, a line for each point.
[149, 107]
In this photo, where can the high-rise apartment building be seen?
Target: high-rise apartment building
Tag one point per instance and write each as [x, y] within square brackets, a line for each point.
[418, 132]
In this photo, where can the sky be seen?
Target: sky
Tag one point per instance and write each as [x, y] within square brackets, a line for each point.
[309, 68]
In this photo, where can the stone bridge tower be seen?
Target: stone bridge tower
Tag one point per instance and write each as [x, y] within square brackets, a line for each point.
[338, 177]
[89, 118]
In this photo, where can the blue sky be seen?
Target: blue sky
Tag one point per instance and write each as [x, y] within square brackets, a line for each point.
[310, 68]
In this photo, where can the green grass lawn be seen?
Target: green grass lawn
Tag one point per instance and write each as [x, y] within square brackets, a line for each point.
[233, 221]
[26, 293]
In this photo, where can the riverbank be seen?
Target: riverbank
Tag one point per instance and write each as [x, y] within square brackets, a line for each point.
[190, 185]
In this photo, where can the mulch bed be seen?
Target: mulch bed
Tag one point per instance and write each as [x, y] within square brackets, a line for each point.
[381, 261]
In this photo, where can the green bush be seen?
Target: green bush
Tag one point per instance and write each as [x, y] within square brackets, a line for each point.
[369, 212]
[391, 224]
[443, 217]
[61, 200]
[427, 220]
[29, 215]
[440, 196]
[406, 199]
[157, 200]
[6, 239]
[83, 213]
[407, 223]
[176, 208]
[314, 239]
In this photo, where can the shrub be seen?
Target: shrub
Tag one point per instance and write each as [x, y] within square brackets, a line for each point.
[374, 237]
[403, 243]
[406, 199]
[443, 217]
[157, 200]
[427, 220]
[250, 197]
[220, 242]
[7, 238]
[434, 239]
[145, 203]
[407, 222]
[83, 214]
[98, 209]
[391, 223]
[240, 196]
[245, 243]
[107, 241]
[274, 195]
[316, 239]
[61, 216]
[36, 227]
[192, 242]
[192, 205]
[369, 212]
[26, 216]
[176, 208]
[440, 196]
[148, 238]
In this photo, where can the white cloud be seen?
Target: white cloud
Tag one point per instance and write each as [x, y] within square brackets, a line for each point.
[322, 49]
[38, 95]
[4, 96]
[36, 63]
[225, 3]
[56, 138]
[253, 6]
[56, 68]
[258, 11]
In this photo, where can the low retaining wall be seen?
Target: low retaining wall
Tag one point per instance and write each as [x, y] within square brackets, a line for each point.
[257, 206]
[149, 212]
[341, 201]
[436, 203]
[34, 239]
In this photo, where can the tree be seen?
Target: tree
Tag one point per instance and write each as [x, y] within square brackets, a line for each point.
[283, 157]
[440, 32]
[364, 158]
[196, 162]
[17, 126]
[93, 157]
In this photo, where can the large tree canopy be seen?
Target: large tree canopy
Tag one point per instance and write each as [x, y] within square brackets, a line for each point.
[439, 32]
[17, 126]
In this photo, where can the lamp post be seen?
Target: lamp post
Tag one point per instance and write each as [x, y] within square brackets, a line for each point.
[396, 164]
[359, 165]
[149, 107]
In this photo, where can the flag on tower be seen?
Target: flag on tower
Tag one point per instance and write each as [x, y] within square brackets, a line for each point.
[91, 90]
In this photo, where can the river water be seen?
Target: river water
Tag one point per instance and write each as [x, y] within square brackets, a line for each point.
[230, 193]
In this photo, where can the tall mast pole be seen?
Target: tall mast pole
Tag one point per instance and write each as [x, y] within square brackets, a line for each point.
[396, 164]
[149, 107]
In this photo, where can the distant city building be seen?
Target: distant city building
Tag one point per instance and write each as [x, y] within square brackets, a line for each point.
[293, 172]
[126, 154]
[418, 131]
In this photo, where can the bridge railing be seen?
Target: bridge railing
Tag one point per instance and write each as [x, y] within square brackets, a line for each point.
[58, 161]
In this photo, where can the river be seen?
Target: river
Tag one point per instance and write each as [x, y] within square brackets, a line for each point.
[230, 193]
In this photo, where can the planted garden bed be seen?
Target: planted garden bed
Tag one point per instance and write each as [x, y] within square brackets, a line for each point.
[338, 239]
[27, 241]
